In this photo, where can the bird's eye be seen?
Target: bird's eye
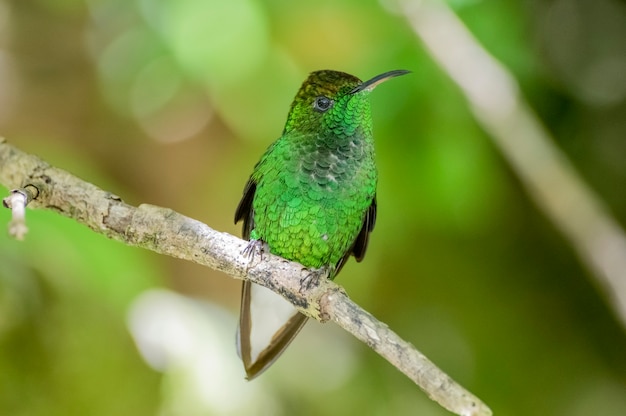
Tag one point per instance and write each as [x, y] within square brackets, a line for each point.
[322, 104]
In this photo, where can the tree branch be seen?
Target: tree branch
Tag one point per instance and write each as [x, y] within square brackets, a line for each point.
[167, 232]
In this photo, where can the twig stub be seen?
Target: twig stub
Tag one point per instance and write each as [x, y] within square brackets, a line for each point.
[16, 202]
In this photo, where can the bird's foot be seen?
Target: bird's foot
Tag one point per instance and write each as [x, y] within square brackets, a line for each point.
[254, 248]
[312, 279]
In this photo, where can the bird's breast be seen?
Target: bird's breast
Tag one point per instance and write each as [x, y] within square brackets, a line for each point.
[310, 207]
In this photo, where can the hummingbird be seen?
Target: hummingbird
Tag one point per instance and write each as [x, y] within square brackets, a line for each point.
[311, 199]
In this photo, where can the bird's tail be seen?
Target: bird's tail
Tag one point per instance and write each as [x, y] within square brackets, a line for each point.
[267, 325]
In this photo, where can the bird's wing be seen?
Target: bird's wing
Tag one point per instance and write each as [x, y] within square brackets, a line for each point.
[245, 211]
[360, 243]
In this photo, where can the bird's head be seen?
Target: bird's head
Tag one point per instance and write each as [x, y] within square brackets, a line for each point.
[335, 102]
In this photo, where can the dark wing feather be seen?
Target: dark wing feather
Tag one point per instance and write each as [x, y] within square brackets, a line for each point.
[360, 244]
[244, 209]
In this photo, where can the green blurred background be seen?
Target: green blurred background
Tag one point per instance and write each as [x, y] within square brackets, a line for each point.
[171, 103]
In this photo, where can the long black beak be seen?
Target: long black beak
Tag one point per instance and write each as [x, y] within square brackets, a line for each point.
[378, 79]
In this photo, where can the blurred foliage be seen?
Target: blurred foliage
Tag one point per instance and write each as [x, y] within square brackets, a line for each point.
[172, 102]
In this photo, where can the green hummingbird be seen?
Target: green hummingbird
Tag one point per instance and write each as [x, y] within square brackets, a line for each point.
[310, 199]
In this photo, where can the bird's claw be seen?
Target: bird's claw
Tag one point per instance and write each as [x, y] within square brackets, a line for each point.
[312, 279]
[254, 248]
